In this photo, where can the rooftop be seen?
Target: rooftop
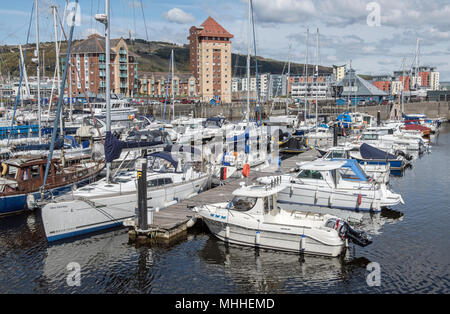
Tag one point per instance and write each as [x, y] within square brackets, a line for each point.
[211, 28]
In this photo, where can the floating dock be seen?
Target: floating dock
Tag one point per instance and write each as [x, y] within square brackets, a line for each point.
[173, 221]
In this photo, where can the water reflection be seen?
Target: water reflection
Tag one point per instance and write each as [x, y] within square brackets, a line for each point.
[266, 271]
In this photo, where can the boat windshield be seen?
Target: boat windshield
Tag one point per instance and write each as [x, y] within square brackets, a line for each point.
[243, 203]
[310, 174]
[365, 137]
[336, 154]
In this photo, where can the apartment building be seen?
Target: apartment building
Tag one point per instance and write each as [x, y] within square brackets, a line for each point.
[88, 67]
[157, 84]
[210, 60]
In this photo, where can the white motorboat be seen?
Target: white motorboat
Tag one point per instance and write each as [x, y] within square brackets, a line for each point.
[390, 138]
[338, 183]
[379, 171]
[103, 205]
[253, 218]
[121, 109]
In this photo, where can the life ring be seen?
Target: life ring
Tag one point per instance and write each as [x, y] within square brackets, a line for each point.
[4, 169]
[246, 170]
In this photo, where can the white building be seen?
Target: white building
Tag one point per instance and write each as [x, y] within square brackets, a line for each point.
[320, 88]
[239, 84]
[434, 80]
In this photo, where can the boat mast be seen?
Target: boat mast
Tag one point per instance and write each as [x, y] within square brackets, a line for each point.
[25, 76]
[317, 75]
[349, 86]
[173, 88]
[108, 81]
[288, 78]
[306, 71]
[56, 48]
[61, 117]
[403, 86]
[247, 114]
[38, 71]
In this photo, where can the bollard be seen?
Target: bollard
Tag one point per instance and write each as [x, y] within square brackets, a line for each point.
[141, 168]
[378, 118]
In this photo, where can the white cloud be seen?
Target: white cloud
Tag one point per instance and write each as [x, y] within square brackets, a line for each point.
[178, 16]
[283, 11]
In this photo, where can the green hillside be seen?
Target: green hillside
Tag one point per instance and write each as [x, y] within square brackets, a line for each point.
[152, 57]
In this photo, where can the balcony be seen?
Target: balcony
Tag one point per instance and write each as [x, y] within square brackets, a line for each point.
[101, 58]
[123, 85]
[102, 66]
[123, 75]
[102, 74]
[122, 52]
[122, 59]
[123, 68]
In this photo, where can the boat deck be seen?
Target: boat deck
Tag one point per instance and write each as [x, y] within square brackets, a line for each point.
[171, 222]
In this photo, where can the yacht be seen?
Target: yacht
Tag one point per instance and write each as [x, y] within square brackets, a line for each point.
[253, 218]
[102, 205]
[121, 109]
[379, 170]
[334, 183]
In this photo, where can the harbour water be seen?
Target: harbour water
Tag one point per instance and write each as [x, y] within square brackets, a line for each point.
[410, 243]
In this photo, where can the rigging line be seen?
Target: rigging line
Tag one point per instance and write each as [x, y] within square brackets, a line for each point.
[22, 70]
[145, 23]
[134, 20]
[258, 89]
[83, 89]
[60, 99]
[167, 88]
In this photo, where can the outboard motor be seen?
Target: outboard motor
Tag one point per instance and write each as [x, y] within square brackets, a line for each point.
[346, 232]
[403, 154]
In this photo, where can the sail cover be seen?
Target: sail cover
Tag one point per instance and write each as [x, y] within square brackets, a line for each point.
[114, 147]
[370, 152]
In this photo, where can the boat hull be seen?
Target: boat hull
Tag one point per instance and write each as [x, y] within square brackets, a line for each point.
[280, 241]
[82, 216]
[18, 203]
[309, 195]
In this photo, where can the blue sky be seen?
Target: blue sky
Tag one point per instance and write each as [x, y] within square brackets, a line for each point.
[344, 30]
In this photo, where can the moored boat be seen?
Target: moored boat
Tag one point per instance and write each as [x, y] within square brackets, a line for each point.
[22, 178]
[253, 218]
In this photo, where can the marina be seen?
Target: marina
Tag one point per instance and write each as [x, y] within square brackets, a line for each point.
[113, 265]
[204, 182]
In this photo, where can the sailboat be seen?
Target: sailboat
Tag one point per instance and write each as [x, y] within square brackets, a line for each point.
[111, 201]
[28, 179]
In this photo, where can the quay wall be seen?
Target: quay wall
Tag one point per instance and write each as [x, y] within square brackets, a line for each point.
[236, 111]
[432, 109]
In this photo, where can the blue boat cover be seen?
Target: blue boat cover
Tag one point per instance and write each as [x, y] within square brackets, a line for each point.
[114, 147]
[370, 152]
[166, 156]
[344, 120]
[354, 165]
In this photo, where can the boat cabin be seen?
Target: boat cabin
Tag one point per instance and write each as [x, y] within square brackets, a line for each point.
[256, 199]
[330, 172]
[26, 174]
